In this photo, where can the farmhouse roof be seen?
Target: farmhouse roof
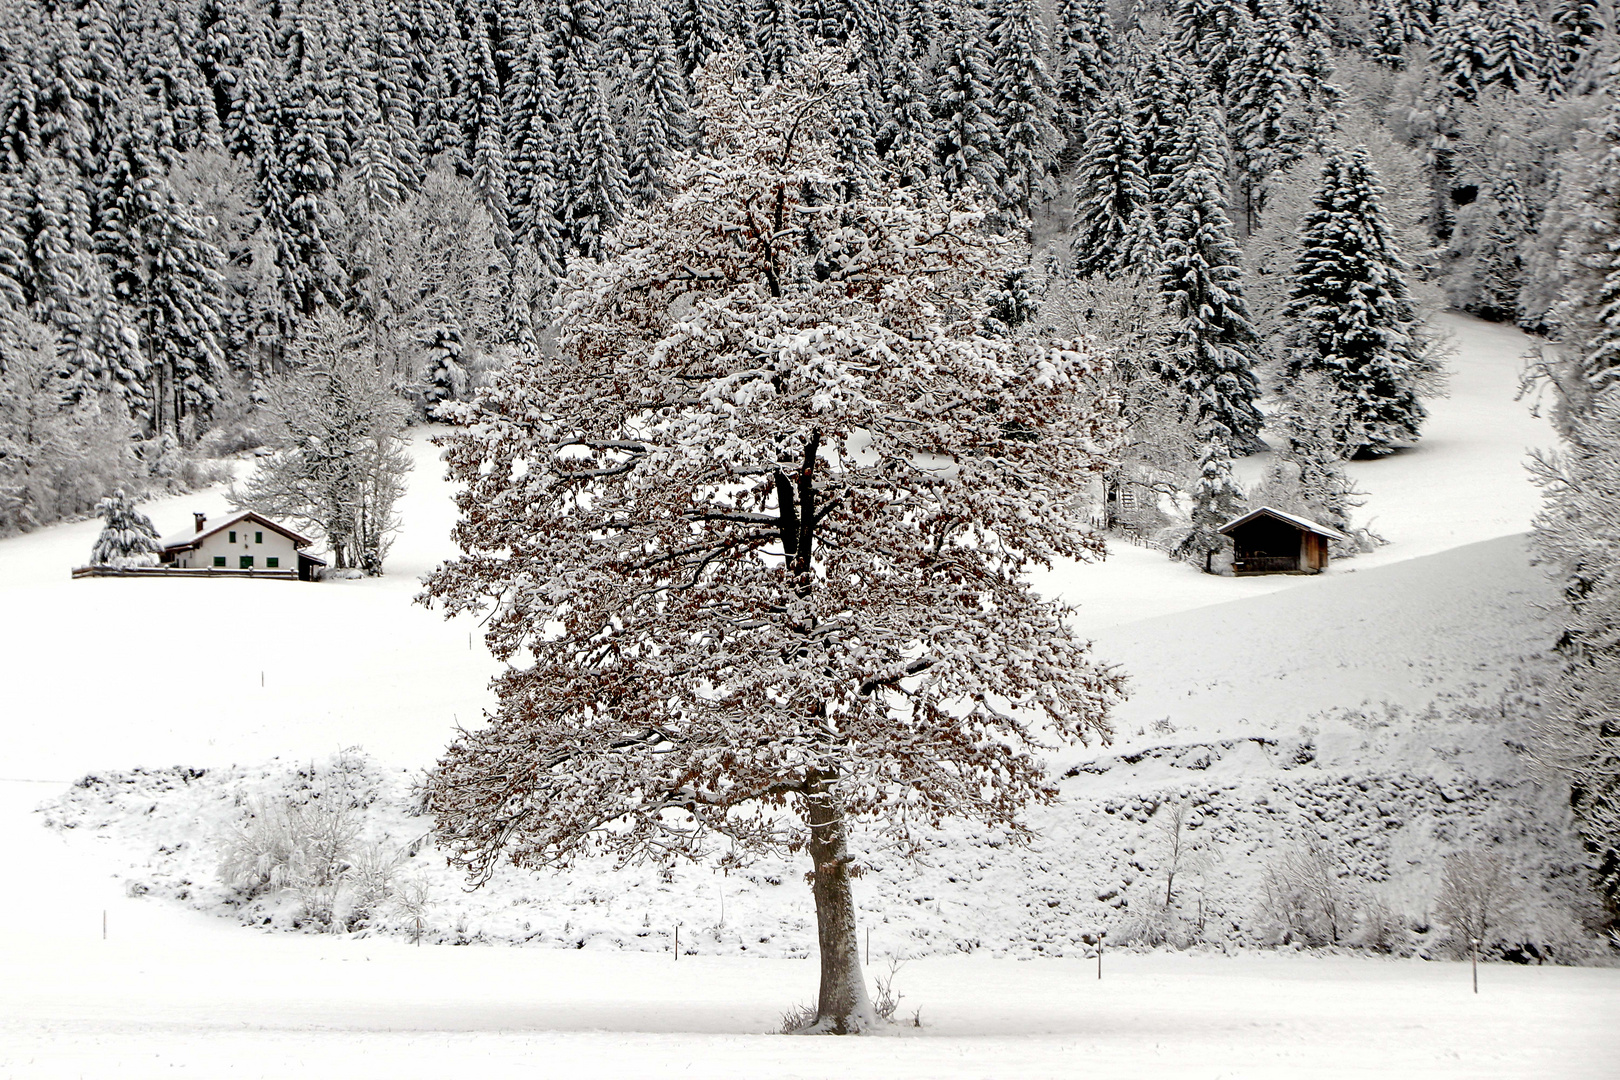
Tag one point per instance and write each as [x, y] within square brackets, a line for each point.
[1293, 519]
[184, 541]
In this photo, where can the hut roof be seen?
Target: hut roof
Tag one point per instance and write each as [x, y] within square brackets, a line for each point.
[1292, 519]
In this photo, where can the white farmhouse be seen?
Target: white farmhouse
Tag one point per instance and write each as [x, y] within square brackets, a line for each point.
[247, 541]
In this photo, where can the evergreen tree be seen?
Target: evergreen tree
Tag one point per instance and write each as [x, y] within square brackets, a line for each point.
[775, 37]
[128, 538]
[1576, 27]
[1268, 128]
[1461, 53]
[1112, 196]
[1387, 33]
[968, 139]
[662, 129]
[1213, 34]
[698, 28]
[1215, 501]
[1086, 63]
[533, 115]
[1216, 349]
[602, 193]
[1516, 44]
[1353, 320]
[1166, 94]
[908, 134]
[1021, 98]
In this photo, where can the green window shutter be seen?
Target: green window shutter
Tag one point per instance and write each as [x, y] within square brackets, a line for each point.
[272, 562]
[247, 562]
[219, 560]
[258, 538]
[233, 536]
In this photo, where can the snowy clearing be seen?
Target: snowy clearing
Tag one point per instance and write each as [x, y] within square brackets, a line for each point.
[116, 674]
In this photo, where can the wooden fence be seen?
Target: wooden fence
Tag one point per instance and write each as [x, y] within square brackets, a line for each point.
[175, 571]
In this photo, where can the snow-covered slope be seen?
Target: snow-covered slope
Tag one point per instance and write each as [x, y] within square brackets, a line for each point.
[1264, 700]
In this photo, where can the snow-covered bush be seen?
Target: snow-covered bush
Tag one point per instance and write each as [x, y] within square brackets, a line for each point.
[289, 846]
[1478, 897]
[1305, 897]
[128, 539]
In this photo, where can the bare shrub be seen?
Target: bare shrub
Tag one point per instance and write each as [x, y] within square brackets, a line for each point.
[1477, 896]
[409, 905]
[1305, 897]
[1380, 928]
[800, 1018]
[886, 1000]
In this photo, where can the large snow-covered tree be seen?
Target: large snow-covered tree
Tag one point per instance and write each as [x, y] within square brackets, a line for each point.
[753, 539]
[1201, 280]
[1353, 320]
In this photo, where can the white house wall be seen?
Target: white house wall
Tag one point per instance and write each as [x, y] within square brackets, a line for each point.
[219, 545]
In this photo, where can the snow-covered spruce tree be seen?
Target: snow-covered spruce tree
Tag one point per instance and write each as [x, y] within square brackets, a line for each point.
[339, 464]
[761, 524]
[1577, 534]
[967, 149]
[661, 131]
[1112, 198]
[1021, 97]
[1215, 501]
[1269, 125]
[128, 537]
[1200, 279]
[1085, 75]
[1352, 320]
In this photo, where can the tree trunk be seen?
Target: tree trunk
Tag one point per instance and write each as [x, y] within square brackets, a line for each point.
[842, 1007]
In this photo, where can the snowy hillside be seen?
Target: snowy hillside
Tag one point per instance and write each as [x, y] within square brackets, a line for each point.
[1355, 710]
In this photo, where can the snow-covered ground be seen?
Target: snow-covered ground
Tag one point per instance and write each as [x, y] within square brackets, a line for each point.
[105, 675]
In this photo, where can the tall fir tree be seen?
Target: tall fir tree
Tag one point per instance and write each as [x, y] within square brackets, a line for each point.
[1353, 319]
[1575, 27]
[1111, 192]
[775, 36]
[662, 129]
[1516, 42]
[1268, 125]
[968, 141]
[1215, 501]
[602, 193]
[1086, 64]
[699, 29]
[1021, 98]
[1461, 55]
[1216, 350]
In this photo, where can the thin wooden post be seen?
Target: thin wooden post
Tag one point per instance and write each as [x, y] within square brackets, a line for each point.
[868, 946]
[1099, 955]
[103, 924]
[677, 943]
[1473, 951]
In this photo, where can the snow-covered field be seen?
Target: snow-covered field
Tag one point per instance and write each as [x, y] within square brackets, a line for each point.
[1231, 679]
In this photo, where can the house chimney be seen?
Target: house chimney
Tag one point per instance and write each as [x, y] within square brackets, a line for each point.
[201, 520]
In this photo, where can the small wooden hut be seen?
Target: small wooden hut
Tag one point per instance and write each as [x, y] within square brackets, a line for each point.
[1267, 541]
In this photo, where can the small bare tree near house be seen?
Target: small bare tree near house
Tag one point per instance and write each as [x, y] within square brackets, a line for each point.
[1477, 896]
[753, 540]
[339, 463]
